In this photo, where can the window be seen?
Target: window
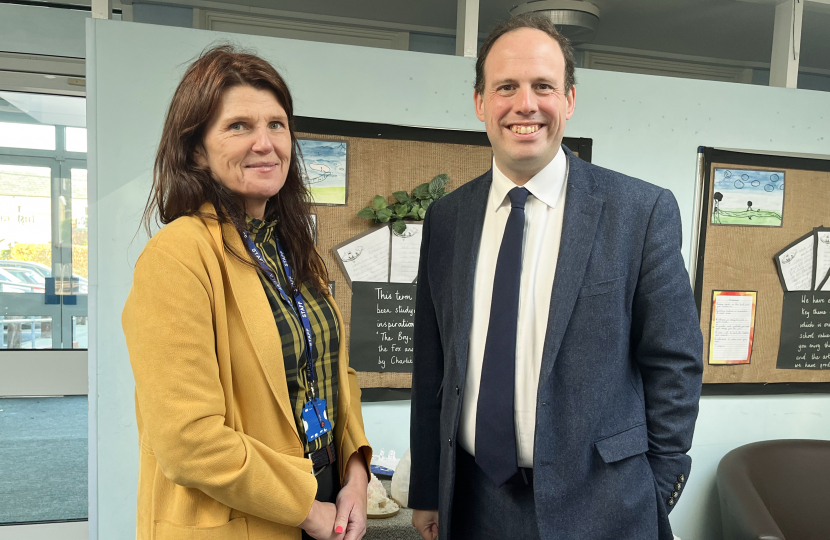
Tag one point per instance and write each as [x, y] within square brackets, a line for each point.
[76, 139]
[31, 136]
[43, 222]
[43, 293]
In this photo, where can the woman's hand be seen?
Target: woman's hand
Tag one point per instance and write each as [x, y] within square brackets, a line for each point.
[351, 501]
[319, 523]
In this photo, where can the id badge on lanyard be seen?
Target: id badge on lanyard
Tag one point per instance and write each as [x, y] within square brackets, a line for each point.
[315, 418]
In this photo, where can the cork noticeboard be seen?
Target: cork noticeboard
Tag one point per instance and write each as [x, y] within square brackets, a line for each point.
[736, 257]
[383, 159]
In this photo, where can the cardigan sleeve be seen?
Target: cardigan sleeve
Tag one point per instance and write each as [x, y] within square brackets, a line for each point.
[354, 437]
[169, 322]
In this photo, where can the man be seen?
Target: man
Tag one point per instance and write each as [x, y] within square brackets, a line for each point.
[557, 365]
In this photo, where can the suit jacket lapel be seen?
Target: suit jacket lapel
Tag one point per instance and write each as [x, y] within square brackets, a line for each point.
[579, 225]
[256, 314]
[467, 241]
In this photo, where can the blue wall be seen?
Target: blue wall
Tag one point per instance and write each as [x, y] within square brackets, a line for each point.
[645, 126]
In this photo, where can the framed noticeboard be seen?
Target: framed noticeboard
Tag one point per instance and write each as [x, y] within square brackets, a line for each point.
[382, 159]
[761, 224]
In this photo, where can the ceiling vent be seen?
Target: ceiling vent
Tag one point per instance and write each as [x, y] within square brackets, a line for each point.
[575, 19]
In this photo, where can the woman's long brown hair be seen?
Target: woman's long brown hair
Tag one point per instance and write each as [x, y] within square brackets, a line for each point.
[181, 186]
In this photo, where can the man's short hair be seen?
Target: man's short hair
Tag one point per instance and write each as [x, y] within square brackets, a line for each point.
[537, 21]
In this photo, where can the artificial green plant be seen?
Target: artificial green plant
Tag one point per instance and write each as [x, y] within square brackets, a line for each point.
[408, 207]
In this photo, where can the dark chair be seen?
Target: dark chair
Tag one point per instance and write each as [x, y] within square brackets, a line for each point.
[776, 490]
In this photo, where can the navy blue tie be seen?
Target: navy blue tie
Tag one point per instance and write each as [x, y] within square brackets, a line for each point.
[495, 423]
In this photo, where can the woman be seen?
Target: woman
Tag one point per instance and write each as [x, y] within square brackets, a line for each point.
[248, 414]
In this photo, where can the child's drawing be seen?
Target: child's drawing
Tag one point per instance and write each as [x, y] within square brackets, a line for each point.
[746, 197]
[325, 171]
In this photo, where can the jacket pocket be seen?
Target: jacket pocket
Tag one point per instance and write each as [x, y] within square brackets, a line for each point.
[235, 529]
[603, 287]
[628, 443]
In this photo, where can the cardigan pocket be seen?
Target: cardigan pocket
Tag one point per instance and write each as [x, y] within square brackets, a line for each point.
[235, 529]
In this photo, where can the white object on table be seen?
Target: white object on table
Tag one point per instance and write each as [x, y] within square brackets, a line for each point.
[387, 461]
[400, 481]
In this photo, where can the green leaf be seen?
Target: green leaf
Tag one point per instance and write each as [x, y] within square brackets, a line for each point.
[425, 203]
[402, 196]
[379, 202]
[368, 213]
[402, 211]
[422, 212]
[399, 227]
[413, 213]
[421, 192]
[384, 214]
[436, 186]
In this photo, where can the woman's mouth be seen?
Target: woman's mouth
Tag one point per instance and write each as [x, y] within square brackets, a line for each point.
[262, 166]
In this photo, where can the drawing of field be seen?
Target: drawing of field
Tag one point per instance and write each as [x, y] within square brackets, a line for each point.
[748, 197]
[328, 195]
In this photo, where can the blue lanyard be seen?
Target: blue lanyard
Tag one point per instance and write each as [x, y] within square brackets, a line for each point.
[298, 298]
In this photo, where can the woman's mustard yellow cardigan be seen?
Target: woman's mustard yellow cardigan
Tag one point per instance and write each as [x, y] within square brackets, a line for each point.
[219, 453]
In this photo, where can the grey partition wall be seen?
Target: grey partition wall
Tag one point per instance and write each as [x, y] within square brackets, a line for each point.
[649, 127]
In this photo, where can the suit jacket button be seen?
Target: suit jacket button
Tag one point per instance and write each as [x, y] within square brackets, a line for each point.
[681, 478]
[670, 502]
[457, 391]
[677, 486]
[450, 441]
[675, 494]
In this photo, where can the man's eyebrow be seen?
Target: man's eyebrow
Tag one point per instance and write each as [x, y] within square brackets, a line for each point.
[546, 80]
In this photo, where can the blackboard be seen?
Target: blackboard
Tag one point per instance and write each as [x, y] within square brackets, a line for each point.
[382, 330]
[805, 331]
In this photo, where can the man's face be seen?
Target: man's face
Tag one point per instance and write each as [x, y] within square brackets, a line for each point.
[524, 105]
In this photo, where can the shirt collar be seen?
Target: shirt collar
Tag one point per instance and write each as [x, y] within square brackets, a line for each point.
[546, 185]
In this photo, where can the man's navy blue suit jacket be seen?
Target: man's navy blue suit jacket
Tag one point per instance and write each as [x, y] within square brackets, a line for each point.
[621, 369]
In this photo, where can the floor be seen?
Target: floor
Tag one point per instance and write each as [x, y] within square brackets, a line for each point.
[43, 459]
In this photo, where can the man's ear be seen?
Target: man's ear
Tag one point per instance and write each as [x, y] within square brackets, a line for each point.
[479, 104]
[570, 96]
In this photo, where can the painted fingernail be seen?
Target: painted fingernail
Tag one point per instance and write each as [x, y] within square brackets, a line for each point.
[339, 529]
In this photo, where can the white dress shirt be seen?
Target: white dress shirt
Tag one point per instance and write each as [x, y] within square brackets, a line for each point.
[540, 251]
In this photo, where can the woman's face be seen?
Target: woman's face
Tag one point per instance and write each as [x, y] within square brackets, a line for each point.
[247, 146]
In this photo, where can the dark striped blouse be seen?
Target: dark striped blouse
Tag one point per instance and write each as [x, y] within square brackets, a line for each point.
[324, 329]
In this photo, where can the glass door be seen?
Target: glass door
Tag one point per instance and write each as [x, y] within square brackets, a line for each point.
[28, 318]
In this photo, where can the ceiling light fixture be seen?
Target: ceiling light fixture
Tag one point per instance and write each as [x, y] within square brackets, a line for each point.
[575, 19]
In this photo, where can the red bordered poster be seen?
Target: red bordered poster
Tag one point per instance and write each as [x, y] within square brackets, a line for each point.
[733, 327]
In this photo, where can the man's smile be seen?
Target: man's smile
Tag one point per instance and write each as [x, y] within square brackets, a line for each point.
[525, 129]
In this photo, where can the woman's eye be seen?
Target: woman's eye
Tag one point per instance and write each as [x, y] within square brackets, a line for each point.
[236, 126]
